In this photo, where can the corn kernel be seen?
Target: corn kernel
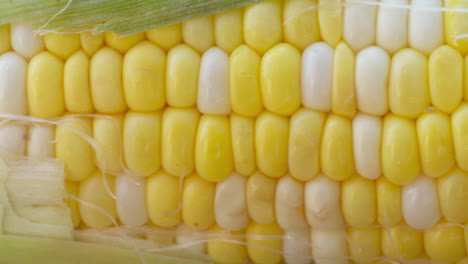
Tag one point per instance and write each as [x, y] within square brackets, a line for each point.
[435, 143]
[359, 25]
[244, 81]
[400, 154]
[182, 71]
[198, 33]
[179, 128]
[408, 84]
[280, 79]
[123, 44]
[163, 198]
[367, 135]
[76, 84]
[62, 45]
[228, 29]
[258, 248]
[198, 202]
[130, 193]
[142, 142]
[289, 203]
[402, 242]
[330, 20]
[260, 195]
[24, 41]
[213, 148]
[230, 203]
[91, 43]
[445, 243]
[262, 25]
[225, 252]
[5, 44]
[359, 201]
[453, 189]
[13, 76]
[271, 144]
[304, 144]
[336, 149]
[329, 246]
[41, 141]
[45, 86]
[75, 152]
[425, 28]
[144, 77]
[459, 128]
[107, 132]
[72, 188]
[456, 25]
[364, 244]
[106, 81]
[388, 202]
[243, 144]
[343, 97]
[296, 247]
[95, 190]
[301, 27]
[392, 25]
[166, 37]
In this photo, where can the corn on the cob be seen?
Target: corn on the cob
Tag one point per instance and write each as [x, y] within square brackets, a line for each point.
[293, 130]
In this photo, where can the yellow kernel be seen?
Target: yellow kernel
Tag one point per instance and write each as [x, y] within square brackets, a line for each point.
[4, 38]
[62, 45]
[456, 25]
[343, 97]
[107, 132]
[182, 71]
[75, 152]
[45, 86]
[301, 25]
[460, 140]
[402, 242]
[445, 243]
[96, 190]
[399, 151]
[453, 195]
[163, 195]
[435, 143]
[198, 33]
[144, 77]
[166, 37]
[359, 201]
[260, 193]
[198, 202]
[388, 202]
[228, 29]
[364, 244]
[123, 44]
[336, 148]
[304, 143]
[72, 188]
[330, 20]
[408, 83]
[91, 43]
[280, 79]
[76, 84]
[258, 247]
[271, 144]
[179, 128]
[262, 25]
[225, 252]
[243, 144]
[244, 82]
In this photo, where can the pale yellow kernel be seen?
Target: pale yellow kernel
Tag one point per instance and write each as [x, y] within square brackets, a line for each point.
[142, 142]
[446, 78]
[226, 252]
[123, 44]
[144, 72]
[336, 148]
[399, 151]
[198, 33]
[301, 25]
[262, 250]
[107, 132]
[304, 143]
[244, 82]
[198, 202]
[260, 191]
[106, 81]
[96, 190]
[271, 144]
[456, 25]
[179, 128]
[402, 242]
[388, 202]
[243, 144]
[45, 86]
[263, 25]
[453, 189]
[76, 84]
[408, 83]
[330, 20]
[71, 147]
[343, 91]
[62, 45]
[435, 143]
[445, 243]
[364, 244]
[72, 188]
[166, 37]
[460, 140]
[359, 201]
[228, 29]
[5, 44]
[182, 71]
[91, 43]
[213, 148]
[163, 195]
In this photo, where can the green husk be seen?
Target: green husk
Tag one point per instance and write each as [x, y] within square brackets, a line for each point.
[124, 17]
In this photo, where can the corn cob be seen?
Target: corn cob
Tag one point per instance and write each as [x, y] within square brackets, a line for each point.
[287, 131]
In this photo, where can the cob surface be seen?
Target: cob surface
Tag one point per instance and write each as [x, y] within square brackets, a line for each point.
[287, 131]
